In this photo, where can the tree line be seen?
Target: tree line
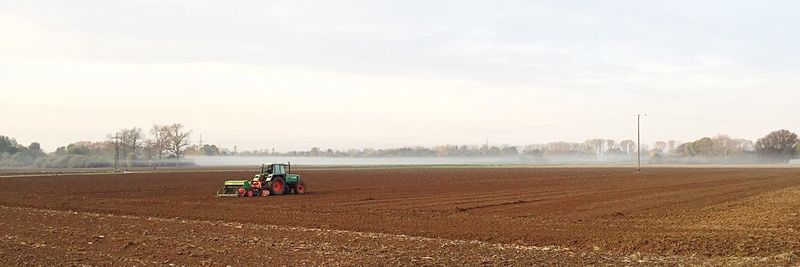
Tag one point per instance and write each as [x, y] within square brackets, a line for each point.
[161, 145]
[160, 141]
[777, 146]
[13, 154]
[166, 145]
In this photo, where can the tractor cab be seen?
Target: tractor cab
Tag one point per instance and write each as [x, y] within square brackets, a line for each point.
[269, 170]
[273, 170]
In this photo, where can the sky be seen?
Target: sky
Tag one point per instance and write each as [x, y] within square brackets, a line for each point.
[355, 74]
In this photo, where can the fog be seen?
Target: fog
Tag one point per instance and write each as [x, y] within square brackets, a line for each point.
[368, 161]
[524, 160]
[378, 161]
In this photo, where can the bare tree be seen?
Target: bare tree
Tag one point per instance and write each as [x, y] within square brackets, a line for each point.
[610, 144]
[177, 139]
[149, 148]
[745, 145]
[725, 145]
[661, 146]
[160, 136]
[131, 139]
[628, 146]
[596, 145]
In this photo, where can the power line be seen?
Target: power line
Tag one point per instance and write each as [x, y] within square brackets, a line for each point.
[587, 121]
[721, 120]
[476, 132]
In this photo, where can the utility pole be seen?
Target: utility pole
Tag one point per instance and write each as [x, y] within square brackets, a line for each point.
[638, 143]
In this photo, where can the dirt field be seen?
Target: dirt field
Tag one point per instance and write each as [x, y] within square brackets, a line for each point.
[434, 216]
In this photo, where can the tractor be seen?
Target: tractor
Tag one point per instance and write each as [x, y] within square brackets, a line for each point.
[273, 179]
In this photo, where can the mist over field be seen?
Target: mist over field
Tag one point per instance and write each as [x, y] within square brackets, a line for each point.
[518, 160]
[328, 161]
[169, 145]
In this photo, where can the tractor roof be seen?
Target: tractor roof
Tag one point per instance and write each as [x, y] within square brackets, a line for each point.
[235, 182]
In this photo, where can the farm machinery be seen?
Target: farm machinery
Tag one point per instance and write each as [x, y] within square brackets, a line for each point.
[273, 179]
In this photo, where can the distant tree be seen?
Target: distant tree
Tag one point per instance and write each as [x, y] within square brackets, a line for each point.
[559, 148]
[8, 145]
[509, 151]
[725, 146]
[209, 150]
[35, 150]
[534, 150]
[493, 151]
[78, 149]
[131, 139]
[683, 149]
[35, 146]
[62, 150]
[703, 147]
[627, 146]
[672, 144]
[655, 155]
[721, 146]
[177, 139]
[159, 135]
[610, 144]
[595, 146]
[315, 151]
[778, 145]
[745, 145]
[149, 149]
[661, 146]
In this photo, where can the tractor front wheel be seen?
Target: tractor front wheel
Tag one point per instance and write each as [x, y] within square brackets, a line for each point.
[277, 186]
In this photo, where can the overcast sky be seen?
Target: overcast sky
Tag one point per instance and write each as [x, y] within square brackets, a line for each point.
[355, 74]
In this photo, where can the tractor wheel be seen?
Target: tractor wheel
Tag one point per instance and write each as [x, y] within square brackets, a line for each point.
[264, 193]
[300, 188]
[277, 186]
[240, 192]
[249, 193]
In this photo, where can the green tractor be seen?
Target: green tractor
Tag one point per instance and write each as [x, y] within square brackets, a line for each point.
[274, 179]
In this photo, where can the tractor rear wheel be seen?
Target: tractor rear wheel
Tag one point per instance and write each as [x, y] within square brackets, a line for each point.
[300, 188]
[277, 186]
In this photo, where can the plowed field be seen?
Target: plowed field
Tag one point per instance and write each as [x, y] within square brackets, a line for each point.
[405, 216]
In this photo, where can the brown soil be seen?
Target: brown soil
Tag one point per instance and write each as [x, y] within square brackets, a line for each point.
[434, 216]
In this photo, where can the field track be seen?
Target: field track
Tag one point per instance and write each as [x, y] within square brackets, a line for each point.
[406, 216]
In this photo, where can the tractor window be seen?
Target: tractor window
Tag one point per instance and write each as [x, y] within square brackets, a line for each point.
[278, 170]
